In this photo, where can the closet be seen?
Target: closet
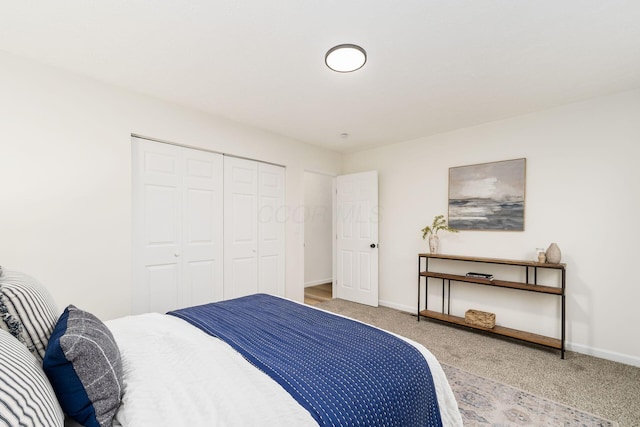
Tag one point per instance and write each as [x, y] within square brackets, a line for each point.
[206, 227]
[254, 215]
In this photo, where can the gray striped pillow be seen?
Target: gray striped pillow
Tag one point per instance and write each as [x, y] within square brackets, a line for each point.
[26, 396]
[27, 311]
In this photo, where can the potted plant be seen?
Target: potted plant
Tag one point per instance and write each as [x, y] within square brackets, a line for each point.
[439, 223]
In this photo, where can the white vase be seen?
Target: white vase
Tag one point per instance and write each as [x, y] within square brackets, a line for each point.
[554, 255]
[434, 244]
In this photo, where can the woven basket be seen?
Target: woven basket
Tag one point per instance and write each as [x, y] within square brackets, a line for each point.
[480, 318]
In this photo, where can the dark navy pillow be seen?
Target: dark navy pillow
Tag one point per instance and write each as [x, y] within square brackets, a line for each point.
[84, 367]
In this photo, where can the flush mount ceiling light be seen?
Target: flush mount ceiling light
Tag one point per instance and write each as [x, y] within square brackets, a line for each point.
[345, 58]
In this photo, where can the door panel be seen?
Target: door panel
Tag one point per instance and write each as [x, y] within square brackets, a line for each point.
[365, 271]
[161, 216]
[240, 232]
[162, 283]
[271, 245]
[357, 231]
[346, 269]
[269, 275]
[157, 226]
[243, 277]
[201, 275]
[202, 245]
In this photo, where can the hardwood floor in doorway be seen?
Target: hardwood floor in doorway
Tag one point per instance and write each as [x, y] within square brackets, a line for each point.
[315, 294]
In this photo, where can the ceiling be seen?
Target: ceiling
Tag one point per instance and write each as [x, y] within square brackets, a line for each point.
[433, 65]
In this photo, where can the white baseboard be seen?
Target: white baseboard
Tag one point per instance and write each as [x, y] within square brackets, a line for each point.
[604, 354]
[318, 282]
[406, 308]
[578, 348]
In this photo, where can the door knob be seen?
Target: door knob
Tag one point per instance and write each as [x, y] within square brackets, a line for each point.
[176, 254]
[373, 246]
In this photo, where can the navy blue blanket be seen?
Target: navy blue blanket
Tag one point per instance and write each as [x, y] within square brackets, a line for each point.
[345, 373]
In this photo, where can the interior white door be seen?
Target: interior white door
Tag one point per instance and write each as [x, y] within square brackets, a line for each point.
[177, 226]
[156, 226]
[241, 227]
[357, 237]
[271, 231]
[202, 241]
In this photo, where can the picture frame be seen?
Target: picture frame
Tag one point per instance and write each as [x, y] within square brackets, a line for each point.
[488, 196]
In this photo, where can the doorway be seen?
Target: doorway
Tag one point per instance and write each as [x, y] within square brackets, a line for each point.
[318, 237]
[341, 235]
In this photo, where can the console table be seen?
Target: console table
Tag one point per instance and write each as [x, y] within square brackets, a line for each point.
[529, 285]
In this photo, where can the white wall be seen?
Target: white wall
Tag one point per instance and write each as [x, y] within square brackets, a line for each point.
[318, 229]
[65, 197]
[65, 179]
[582, 192]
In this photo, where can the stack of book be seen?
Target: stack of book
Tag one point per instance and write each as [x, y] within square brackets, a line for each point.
[480, 275]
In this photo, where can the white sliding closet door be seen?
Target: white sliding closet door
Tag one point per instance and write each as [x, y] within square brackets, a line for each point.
[254, 228]
[202, 240]
[271, 218]
[241, 227]
[177, 223]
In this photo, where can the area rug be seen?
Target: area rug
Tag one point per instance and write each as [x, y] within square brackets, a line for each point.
[484, 402]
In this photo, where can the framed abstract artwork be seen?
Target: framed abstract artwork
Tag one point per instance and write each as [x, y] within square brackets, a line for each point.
[488, 196]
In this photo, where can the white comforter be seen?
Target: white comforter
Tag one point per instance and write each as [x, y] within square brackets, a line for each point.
[176, 375]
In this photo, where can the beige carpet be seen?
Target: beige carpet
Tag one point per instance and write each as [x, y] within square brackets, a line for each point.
[607, 389]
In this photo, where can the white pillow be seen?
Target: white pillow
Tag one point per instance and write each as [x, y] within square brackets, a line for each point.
[26, 396]
[27, 311]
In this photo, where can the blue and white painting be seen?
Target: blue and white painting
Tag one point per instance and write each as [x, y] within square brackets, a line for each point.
[488, 196]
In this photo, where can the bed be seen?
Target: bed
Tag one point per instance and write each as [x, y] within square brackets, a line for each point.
[255, 360]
